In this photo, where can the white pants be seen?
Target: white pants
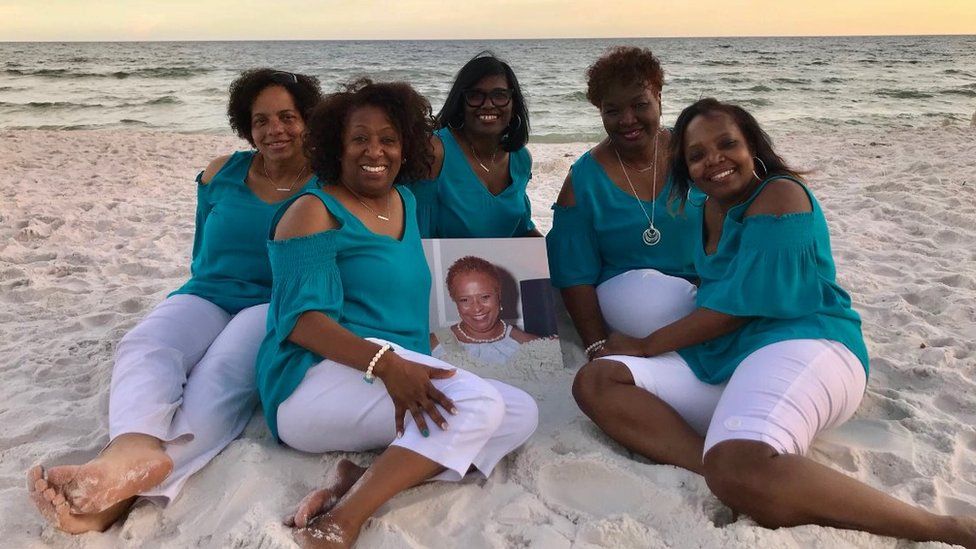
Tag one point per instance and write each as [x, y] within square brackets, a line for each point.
[783, 394]
[639, 302]
[334, 410]
[185, 375]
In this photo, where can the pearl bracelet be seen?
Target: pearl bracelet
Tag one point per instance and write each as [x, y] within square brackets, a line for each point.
[368, 377]
[594, 347]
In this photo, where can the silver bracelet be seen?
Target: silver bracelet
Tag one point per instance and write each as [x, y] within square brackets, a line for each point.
[594, 347]
[368, 377]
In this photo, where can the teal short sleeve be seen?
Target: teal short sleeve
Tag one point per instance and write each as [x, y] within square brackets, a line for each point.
[526, 224]
[572, 247]
[775, 272]
[305, 278]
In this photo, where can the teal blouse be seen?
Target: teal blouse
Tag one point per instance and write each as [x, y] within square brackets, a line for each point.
[457, 205]
[371, 284]
[601, 236]
[230, 258]
[778, 270]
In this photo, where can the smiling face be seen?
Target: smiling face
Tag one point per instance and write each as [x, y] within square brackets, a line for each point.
[488, 118]
[631, 115]
[719, 158]
[477, 297]
[372, 151]
[277, 127]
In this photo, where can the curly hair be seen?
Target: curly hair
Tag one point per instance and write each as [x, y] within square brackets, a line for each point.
[516, 135]
[622, 66]
[472, 264]
[304, 90]
[408, 111]
[757, 140]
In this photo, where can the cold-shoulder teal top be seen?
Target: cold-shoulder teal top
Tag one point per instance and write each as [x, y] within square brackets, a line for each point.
[600, 236]
[458, 205]
[779, 271]
[230, 258]
[371, 284]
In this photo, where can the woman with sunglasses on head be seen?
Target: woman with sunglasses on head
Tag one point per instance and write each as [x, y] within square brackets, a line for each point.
[621, 257]
[183, 382]
[346, 365]
[771, 356]
[476, 187]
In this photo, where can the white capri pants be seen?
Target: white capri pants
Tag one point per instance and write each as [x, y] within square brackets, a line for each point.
[185, 375]
[782, 394]
[333, 410]
[638, 302]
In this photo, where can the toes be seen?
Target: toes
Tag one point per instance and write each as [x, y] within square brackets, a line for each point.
[311, 506]
[50, 494]
[60, 476]
[289, 521]
[34, 474]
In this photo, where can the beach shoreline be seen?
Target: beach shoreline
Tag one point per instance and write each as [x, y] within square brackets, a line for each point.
[96, 228]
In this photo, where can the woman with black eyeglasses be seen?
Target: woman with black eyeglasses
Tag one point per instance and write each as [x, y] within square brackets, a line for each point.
[481, 168]
[183, 383]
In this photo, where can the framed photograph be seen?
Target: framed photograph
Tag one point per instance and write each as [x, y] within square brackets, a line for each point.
[492, 302]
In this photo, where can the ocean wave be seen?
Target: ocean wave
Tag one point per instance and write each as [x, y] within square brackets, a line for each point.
[959, 91]
[149, 72]
[51, 105]
[576, 96]
[902, 94]
[759, 88]
[783, 80]
[719, 63]
[832, 80]
[756, 102]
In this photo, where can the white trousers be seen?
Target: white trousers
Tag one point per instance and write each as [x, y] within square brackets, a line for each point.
[334, 410]
[185, 375]
[639, 302]
[782, 394]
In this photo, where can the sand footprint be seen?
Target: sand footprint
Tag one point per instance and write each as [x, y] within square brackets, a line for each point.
[591, 487]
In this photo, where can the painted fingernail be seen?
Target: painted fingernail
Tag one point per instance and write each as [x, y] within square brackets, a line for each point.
[444, 426]
[399, 434]
[454, 411]
[425, 432]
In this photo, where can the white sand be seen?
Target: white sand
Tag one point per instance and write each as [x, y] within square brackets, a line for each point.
[95, 228]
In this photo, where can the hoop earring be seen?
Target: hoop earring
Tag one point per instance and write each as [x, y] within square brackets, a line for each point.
[518, 123]
[763, 164]
[453, 127]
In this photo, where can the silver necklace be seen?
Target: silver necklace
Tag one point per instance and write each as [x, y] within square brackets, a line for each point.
[477, 159]
[365, 205]
[264, 168]
[651, 234]
[489, 340]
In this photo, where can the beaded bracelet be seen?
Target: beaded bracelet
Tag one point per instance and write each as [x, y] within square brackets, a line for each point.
[594, 347]
[368, 377]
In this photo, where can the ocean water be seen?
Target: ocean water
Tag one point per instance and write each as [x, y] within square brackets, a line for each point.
[909, 81]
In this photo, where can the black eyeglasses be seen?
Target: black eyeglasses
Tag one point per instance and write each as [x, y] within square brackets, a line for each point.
[282, 77]
[499, 97]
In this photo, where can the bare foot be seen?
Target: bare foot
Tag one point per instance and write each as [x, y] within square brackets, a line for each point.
[320, 501]
[325, 532]
[131, 464]
[966, 531]
[49, 500]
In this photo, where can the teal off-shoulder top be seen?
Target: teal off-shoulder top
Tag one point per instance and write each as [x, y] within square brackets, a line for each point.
[230, 258]
[779, 271]
[600, 236]
[457, 204]
[371, 284]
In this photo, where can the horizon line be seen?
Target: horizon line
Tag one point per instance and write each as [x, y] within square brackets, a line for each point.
[163, 40]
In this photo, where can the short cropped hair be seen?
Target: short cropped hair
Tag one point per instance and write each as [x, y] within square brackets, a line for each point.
[304, 91]
[408, 111]
[472, 264]
[622, 66]
[516, 135]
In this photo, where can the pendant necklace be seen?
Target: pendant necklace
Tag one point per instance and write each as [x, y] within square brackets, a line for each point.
[365, 205]
[264, 168]
[651, 234]
[477, 159]
[488, 340]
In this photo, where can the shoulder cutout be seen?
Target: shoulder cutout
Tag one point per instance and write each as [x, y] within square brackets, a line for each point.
[213, 168]
[437, 149]
[522, 336]
[306, 215]
[780, 197]
[567, 197]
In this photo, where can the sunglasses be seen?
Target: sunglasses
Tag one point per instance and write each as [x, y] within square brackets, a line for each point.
[282, 77]
[499, 97]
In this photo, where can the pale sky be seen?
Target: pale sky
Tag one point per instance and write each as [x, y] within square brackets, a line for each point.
[112, 20]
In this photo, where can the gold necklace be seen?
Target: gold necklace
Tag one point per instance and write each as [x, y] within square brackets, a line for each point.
[264, 168]
[477, 159]
[365, 205]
